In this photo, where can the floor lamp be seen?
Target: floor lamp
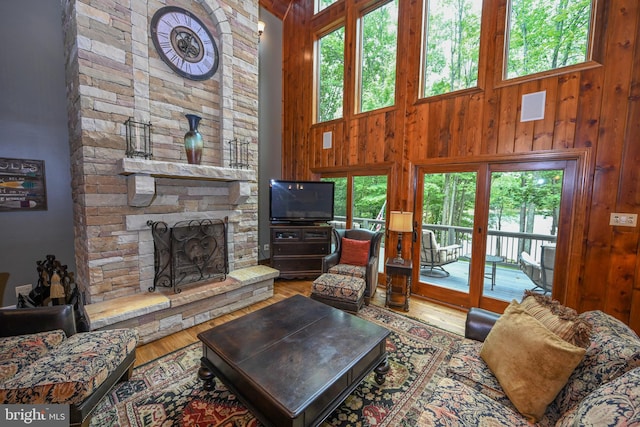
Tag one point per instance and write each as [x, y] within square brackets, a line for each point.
[400, 222]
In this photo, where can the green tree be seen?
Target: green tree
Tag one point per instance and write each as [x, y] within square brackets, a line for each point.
[379, 47]
[369, 195]
[449, 198]
[331, 75]
[547, 34]
[452, 45]
[339, 195]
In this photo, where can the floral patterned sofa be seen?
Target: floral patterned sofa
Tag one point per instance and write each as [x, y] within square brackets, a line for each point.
[47, 362]
[602, 390]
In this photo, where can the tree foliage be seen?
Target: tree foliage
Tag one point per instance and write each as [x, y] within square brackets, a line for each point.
[331, 75]
[547, 34]
[542, 35]
[452, 45]
[379, 47]
[449, 198]
[369, 195]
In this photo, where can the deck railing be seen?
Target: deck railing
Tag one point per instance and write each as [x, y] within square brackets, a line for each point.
[506, 244]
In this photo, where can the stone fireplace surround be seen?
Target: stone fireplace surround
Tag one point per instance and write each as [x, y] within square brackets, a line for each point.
[113, 73]
[163, 312]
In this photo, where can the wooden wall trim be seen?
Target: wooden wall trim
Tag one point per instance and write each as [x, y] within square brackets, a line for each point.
[592, 109]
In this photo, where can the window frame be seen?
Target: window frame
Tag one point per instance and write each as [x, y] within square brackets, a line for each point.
[359, 53]
[336, 25]
[420, 95]
[594, 48]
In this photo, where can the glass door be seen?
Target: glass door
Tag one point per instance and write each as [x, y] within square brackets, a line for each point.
[445, 234]
[523, 227]
[489, 232]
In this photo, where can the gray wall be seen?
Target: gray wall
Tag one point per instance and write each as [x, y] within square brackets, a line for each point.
[270, 119]
[33, 125]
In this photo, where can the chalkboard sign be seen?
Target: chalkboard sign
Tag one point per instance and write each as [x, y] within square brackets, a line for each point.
[22, 185]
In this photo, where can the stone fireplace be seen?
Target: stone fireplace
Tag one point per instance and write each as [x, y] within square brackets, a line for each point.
[114, 73]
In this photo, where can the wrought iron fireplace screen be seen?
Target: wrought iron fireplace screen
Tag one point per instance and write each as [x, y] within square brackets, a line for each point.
[189, 252]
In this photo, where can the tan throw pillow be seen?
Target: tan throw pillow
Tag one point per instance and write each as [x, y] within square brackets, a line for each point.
[561, 320]
[531, 363]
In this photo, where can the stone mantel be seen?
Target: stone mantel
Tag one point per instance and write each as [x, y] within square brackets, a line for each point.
[142, 173]
[130, 166]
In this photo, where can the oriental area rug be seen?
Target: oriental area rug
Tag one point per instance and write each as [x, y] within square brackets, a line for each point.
[167, 392]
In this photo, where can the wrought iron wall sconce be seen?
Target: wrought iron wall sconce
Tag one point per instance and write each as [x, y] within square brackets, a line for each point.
[261, 26]
[138, 139]
[238, 154]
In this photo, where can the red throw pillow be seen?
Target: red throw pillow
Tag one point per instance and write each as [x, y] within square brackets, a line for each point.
[355, 252]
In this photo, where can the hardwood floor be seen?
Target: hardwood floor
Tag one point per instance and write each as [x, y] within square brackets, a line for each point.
[441, 316]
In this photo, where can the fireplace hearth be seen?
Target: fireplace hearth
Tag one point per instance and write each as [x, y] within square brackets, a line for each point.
[189, 252]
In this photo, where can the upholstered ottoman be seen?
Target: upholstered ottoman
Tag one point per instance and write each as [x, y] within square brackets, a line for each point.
[340, 291]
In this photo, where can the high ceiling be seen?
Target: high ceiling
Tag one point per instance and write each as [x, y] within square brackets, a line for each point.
[278, 8]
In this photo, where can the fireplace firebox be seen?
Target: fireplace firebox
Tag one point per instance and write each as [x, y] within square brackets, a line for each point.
[189, 252]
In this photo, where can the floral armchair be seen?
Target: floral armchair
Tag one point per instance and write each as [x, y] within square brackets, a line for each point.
[334, 262]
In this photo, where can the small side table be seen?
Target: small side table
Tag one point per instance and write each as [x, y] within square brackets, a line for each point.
[404, 269]
[488, 259]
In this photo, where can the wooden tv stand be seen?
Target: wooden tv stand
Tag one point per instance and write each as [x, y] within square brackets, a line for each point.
[297, 250]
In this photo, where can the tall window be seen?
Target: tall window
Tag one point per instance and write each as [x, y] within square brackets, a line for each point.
[451, 45]
[378, 63]
[546, 35]
[330, 63]
[323, 4]
[367, 196]
[339, 201]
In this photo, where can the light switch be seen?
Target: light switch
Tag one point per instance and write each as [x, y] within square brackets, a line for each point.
[624, 219]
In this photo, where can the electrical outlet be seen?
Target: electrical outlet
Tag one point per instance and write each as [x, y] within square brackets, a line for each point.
[623, 219]
[24, 290]
[265, 247]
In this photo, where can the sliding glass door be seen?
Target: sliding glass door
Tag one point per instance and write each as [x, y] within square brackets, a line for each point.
[490, 231]
[522, 231]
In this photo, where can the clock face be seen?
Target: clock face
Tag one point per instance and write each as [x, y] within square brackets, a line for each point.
[184, 43]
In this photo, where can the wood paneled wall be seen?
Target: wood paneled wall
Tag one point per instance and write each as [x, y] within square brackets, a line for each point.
[595, 109]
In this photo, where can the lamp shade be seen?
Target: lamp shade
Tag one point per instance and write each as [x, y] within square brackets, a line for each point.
[402, 222]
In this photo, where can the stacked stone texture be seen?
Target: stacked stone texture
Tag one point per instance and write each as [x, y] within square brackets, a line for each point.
[113, 72]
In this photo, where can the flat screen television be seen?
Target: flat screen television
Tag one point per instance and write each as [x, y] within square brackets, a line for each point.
[300, 201]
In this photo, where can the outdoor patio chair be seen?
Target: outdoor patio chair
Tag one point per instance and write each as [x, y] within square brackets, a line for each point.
[433, 256]
[541, 274]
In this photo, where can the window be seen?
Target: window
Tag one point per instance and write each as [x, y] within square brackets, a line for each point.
[451, 45]
[339, 200]
[546, 34]
[378, 62]
[330, 63]
[323, 4]
[360, 201]
[367, 197]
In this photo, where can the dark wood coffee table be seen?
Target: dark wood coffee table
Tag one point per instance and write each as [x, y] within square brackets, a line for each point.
[294, 362]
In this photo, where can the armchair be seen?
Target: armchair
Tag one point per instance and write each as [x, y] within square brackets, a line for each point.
[432, 255]
[331, 263]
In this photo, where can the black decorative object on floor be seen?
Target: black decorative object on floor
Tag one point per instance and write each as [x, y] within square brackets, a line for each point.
[56, 286]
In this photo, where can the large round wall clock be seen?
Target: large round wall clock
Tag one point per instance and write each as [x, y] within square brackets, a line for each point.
[184, 43]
